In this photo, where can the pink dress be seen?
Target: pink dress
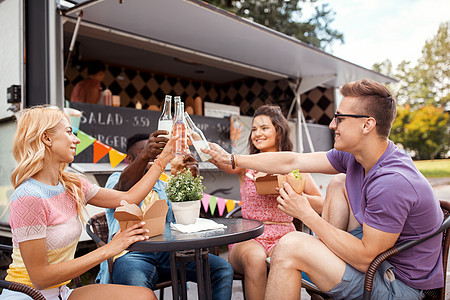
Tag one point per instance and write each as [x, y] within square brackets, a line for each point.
[264, 208]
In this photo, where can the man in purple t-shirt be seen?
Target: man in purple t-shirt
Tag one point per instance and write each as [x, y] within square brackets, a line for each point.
[378, 200]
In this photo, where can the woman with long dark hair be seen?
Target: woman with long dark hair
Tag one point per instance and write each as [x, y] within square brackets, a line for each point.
[270, 133]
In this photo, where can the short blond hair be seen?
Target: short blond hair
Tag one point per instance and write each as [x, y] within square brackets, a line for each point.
[375, 100]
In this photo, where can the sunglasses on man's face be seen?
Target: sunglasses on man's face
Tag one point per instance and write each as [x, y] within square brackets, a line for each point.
[338, 117]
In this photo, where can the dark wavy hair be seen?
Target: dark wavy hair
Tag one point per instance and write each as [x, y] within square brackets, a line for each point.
[281, 125]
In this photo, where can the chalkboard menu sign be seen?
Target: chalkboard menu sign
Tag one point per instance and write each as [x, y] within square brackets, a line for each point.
[113, 125]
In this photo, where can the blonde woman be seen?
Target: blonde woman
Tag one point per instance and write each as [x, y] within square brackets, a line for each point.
[46, 208]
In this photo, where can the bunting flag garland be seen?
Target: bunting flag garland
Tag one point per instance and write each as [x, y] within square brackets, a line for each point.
[100, 150]
[115, 157]
[205, 201]
[85, 141]
[212, 204]
[230, 205]
[220, 205]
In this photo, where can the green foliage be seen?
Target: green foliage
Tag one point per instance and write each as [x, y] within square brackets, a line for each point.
[423, 95]
[424, 130]
[296, 173]
[384, 67]
[285, 16]
[428, 80]
[398, 133]
[184, 187]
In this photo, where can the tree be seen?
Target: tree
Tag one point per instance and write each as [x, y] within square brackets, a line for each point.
[427, 81]
[398, 133]
[423, 95]
[426, 132]
[384, 67]
[434, 68]
[285, 16]
[423, 130]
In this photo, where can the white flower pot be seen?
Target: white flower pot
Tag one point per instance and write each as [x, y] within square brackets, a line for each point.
[186, 212]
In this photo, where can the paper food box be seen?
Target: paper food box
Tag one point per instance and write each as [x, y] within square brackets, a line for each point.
[154, 216]
[266, 184]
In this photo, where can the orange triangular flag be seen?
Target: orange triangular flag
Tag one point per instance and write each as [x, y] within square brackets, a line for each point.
[115, 157]
[100, 150]
[230, 205]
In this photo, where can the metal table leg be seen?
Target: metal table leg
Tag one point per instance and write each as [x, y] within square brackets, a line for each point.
[201, 258]
[199, 268]
[174, 275]
[183, 280]
[207, 276]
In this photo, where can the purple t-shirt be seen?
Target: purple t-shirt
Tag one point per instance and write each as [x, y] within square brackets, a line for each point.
[395, 197]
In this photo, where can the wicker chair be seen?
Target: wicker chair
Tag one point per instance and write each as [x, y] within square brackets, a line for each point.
[23, 288]
[97, 229]
[436, 294]
[429, 294]
[19, 287]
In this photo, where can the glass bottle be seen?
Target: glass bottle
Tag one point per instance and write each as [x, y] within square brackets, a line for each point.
[165, 120]
[176, 100]
[197, 137]
[107, 97]
[179, 128]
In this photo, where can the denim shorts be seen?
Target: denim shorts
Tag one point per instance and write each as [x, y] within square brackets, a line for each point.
[385, 285]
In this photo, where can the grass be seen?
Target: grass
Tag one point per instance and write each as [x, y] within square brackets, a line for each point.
[434, 168]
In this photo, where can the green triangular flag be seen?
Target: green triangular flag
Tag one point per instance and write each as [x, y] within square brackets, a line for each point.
[212, 204]
[85, 141]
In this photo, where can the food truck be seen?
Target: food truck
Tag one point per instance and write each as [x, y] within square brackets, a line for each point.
[156, 48]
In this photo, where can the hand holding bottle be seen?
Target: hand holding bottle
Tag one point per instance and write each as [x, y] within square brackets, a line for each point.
[165, 121]
[179, 129]
[197, 137]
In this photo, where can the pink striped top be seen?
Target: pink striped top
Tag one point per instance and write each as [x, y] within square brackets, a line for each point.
[41, 211]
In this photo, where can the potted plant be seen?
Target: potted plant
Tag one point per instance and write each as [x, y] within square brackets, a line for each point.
[185, 191]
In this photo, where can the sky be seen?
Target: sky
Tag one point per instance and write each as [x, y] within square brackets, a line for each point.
[376, 30]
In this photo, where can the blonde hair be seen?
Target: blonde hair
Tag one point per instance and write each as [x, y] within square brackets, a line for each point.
[29, 150]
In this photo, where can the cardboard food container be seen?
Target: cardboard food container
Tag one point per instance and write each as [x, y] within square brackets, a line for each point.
[154, 216]
[297, 184]
[266, 184]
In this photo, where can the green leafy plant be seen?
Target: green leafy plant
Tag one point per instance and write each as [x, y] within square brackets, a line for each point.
[296, 173]
[184, 187]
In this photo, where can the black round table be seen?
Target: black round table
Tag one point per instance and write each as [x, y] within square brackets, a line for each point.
[237, 230]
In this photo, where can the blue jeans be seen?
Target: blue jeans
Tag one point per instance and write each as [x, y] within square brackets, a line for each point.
[148, 268]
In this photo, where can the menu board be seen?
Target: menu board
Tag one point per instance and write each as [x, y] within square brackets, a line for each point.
[113, 125]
